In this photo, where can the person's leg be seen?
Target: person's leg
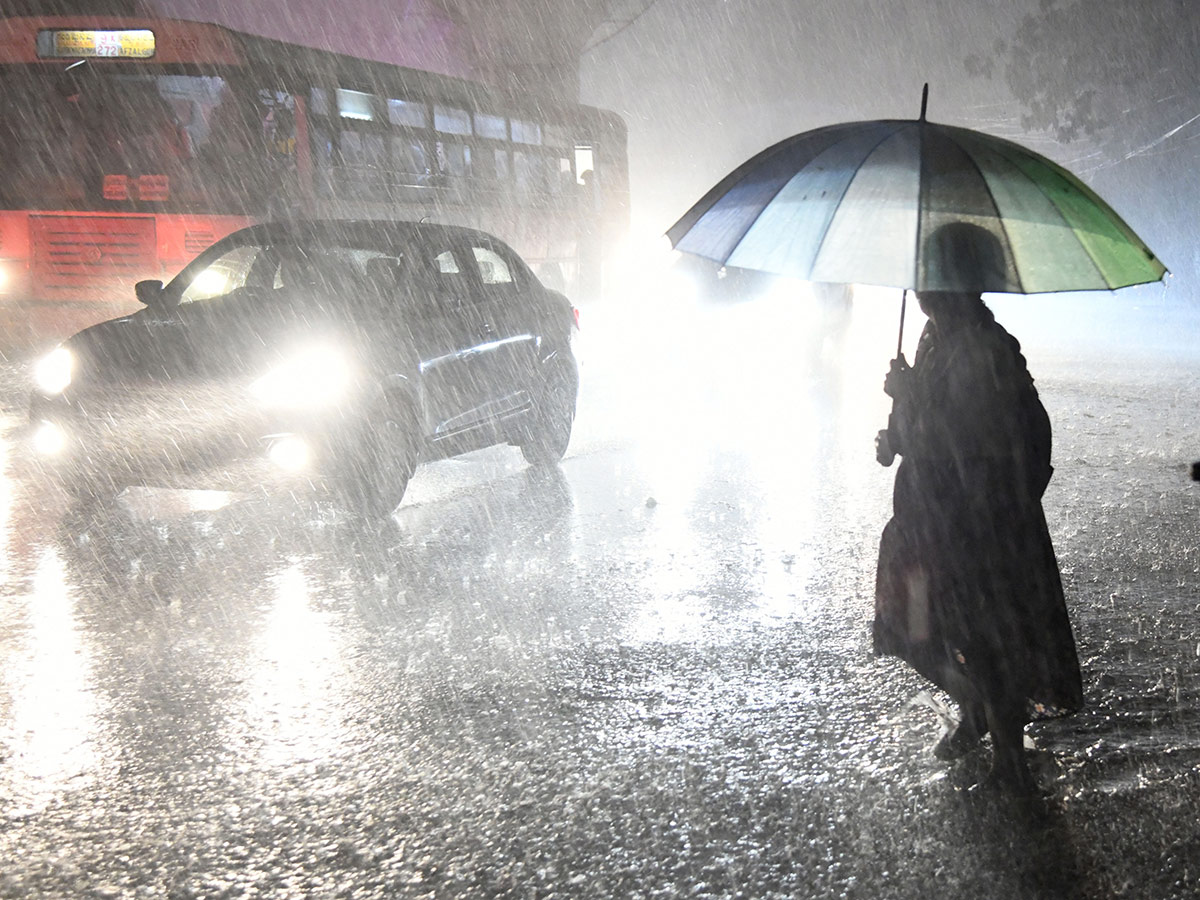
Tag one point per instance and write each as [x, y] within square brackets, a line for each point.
[972, 723]
[972, 726]
[1006, 722]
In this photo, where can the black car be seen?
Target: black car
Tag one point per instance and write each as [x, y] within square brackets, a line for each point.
[335, 353]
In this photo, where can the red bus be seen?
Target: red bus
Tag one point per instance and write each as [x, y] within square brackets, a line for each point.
[130, 144]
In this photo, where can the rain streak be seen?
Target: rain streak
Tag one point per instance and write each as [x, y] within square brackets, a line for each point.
[441, 442]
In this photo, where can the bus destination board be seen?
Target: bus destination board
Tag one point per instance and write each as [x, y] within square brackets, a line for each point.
[127, 44]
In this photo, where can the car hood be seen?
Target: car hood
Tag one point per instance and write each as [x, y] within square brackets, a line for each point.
[202, 342]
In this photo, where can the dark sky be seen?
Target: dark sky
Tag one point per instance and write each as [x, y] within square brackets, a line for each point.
[710, 82]
[704, 84]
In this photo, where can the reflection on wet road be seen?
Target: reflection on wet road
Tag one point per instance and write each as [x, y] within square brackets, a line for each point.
[645, 673]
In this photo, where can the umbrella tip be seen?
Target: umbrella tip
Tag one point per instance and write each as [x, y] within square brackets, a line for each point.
[924, 100]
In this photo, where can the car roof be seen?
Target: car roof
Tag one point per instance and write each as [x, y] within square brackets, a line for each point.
[387, 235]
[354, 231]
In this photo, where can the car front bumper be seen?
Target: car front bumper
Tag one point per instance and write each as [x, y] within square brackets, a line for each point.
[180, 436]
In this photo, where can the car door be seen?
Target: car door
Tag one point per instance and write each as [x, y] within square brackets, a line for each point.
[507, 357]
[447, 335]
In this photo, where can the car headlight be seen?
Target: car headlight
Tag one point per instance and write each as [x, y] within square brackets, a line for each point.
[311, 378]
[49, 439]
[52, 373]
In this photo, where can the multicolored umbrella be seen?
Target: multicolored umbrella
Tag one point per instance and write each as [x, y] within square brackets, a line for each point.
[855, 202]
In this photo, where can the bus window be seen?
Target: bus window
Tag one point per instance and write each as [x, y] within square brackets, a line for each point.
[454, 159]
[364, 161]
[407, 112]
[250, 148]
[363, 150]
[526, 132]
[322, 141]
[565, 180]
[490, 165]
[533, 171]
[493, 127]
[449, 120]
[356, 105]
[584, 161]
[410, 160]
[318, 102]
[119, 140]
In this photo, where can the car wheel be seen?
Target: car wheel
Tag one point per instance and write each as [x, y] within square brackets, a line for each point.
[547, 432]
[375, 474]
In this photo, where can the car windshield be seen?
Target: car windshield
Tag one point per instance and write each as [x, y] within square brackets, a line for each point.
[357, 278]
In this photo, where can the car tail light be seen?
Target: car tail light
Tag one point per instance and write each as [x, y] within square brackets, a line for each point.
[575, 313]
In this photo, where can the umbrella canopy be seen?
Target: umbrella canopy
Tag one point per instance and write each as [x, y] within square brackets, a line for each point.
[857, 203]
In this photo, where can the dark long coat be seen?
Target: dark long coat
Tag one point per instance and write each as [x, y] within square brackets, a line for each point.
[968, 584]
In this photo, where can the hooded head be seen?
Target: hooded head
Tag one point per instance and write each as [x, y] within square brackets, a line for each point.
[965, 258]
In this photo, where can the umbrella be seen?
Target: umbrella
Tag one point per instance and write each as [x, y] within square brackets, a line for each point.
[856, 202]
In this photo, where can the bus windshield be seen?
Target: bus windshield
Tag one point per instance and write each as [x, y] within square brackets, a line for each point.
[121, 141]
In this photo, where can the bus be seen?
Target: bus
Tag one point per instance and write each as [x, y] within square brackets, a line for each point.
[127, 145]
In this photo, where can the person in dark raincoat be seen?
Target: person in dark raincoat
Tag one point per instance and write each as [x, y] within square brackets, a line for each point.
[968, 590]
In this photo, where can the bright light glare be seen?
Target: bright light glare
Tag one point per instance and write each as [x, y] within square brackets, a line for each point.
[54, 734]
[291, 453]
[49, 439]
[52, 373]
[209, 283]
[312, 378]
[793, 290]
[3, 278]
[645, 263]
[666, 270]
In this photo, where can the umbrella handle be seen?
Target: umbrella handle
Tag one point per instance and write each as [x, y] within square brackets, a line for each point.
[900, 339]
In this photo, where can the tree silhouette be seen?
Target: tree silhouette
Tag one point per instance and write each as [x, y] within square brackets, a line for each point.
[1109, 69]
[1119, 81]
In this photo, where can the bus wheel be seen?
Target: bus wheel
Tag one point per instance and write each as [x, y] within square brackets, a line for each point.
[547, 432]
[374, 475]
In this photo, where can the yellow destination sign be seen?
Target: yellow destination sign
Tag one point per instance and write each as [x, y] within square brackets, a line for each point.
[128, 44]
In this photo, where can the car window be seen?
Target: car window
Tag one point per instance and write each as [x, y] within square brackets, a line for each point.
[331, 276]
[493, 269]
[385, 275]
[329, 269]
[442, 271]
[224, 275]
[446, 263]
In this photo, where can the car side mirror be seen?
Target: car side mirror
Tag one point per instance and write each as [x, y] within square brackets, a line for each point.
[150, 293]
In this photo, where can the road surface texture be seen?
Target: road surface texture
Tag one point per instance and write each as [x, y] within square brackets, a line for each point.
[643, 674]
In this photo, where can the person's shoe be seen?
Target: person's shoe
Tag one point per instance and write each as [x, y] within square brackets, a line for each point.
[962, 740]
[1014, 779]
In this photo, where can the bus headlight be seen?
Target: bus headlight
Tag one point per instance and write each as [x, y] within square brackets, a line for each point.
[313, 378]
[52, 373]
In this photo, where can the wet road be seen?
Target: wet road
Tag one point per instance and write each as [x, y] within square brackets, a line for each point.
[646, 674]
